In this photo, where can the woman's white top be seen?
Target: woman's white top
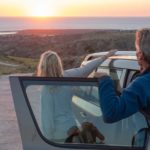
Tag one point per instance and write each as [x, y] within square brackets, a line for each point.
[56, 110]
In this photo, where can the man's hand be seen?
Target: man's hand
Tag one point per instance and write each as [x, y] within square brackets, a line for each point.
[100, 74]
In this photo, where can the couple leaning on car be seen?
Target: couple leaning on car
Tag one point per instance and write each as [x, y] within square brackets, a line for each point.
[56, 112]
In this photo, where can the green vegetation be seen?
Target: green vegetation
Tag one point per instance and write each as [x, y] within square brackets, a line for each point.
[25, 65]
[25, 48]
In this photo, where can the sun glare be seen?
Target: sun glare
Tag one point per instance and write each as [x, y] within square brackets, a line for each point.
[42, 10]
[49, 8]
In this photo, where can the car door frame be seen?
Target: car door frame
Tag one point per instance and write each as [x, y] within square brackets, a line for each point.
[31, 136]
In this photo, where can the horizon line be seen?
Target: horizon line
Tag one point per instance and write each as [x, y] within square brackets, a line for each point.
[74, 17]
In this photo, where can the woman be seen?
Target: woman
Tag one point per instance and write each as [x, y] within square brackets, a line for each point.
[56, 112]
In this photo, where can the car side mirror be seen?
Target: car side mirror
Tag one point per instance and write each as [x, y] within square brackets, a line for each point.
[141, 138]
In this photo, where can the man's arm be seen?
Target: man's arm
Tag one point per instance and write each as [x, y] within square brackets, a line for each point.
[115, 107]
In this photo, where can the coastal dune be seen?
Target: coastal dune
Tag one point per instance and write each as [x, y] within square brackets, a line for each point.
[73, 43]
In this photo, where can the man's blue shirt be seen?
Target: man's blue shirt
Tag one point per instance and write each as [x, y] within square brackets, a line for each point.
[133, 98]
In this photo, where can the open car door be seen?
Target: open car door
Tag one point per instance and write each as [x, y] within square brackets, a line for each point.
[47, 111]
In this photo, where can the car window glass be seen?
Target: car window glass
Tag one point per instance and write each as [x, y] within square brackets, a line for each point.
[113, 72]
[115, 75]
[91, 93]
[55, 108]
[62, 111]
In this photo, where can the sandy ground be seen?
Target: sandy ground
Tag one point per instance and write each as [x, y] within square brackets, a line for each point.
[9, 131]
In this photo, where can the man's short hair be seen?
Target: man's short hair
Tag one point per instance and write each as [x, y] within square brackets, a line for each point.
[143, 41]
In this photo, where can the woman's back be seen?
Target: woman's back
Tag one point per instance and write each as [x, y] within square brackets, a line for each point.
[56, 110]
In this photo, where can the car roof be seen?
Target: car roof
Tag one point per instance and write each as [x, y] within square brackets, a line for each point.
[118, 55]
[121, 59]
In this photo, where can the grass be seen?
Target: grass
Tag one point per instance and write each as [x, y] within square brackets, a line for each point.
[25, 65]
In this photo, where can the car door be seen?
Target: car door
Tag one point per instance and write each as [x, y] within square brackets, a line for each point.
[27, 93]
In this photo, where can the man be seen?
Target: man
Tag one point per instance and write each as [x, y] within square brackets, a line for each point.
[137, 95]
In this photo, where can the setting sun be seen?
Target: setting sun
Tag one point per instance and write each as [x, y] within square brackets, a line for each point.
[41, 10]
[48, 8]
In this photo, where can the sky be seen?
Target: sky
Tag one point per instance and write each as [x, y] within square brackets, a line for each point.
[48, 8]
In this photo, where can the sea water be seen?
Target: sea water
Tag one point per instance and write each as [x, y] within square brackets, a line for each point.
[12, 24]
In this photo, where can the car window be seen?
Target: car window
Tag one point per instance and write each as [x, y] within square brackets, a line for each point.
[55, 108]
[60, 110]
[91, 94]
[115, 74]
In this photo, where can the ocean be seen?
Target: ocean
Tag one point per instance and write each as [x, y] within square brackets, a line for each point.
[11, 24]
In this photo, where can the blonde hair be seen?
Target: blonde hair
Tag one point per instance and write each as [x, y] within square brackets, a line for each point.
[50, 65]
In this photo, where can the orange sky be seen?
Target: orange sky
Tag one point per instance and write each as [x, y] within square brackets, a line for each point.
[74, 8]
